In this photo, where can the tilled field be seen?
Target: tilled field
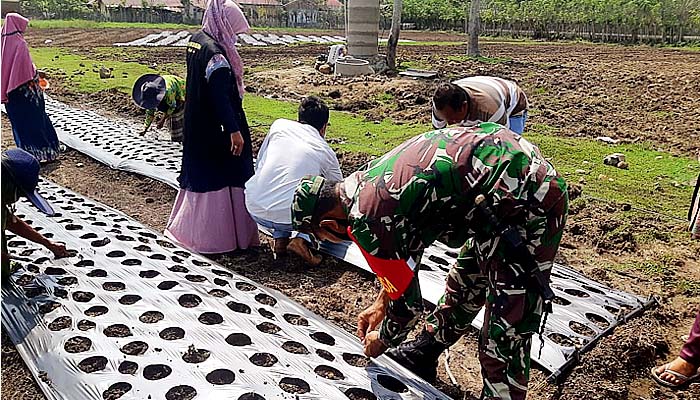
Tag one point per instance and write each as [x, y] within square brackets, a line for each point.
[633, 94]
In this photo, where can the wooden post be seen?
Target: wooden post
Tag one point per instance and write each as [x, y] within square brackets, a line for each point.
[473, 29]
[393, 41]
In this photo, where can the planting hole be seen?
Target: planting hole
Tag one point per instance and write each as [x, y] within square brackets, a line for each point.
[93, 364]
[151, 317]
[77, 344]
[263, 359]
[294, 385]
[239, 339]
[329, 373]
[221, 377]
[295, 347]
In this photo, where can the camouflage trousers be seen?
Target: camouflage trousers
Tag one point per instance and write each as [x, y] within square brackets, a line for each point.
[484, 275]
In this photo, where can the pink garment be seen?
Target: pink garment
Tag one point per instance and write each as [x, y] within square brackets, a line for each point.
[224, 20]
[17, 66]
[212, 222]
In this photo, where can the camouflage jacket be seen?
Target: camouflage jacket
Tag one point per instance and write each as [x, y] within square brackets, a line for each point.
[424, 190]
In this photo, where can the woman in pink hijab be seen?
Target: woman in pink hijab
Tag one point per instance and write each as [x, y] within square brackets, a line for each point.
[209, 215]
[22, 96]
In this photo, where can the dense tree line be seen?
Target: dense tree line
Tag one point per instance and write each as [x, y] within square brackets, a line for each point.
[669, 21]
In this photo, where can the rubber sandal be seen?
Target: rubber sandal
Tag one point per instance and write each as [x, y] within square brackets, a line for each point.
[685, 380]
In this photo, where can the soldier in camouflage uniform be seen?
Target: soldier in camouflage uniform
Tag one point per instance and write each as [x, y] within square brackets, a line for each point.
[425, 190]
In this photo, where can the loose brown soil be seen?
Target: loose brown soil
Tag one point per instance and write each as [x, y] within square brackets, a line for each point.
[182, 392]
[77, 344]
[116, 391]
[629, 93]
[136, 348]
[294, 385]
[295, 347]
[117, 330]
[195, 356]
[151, 317]
[156, 371]
[173, 333]
[93, 364]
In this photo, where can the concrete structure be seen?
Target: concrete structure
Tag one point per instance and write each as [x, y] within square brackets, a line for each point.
[363, 28]
[8, 6]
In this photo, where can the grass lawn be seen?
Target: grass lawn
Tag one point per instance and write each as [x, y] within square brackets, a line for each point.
[87, 24]
[655, 180]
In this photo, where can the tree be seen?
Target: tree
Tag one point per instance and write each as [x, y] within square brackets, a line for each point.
[473, 29]
[393, 41]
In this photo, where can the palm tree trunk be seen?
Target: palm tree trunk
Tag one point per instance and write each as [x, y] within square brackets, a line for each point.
[473, 29]
[393, 41]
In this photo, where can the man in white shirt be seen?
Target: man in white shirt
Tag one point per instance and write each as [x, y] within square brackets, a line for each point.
[290, 150]
[469, 101]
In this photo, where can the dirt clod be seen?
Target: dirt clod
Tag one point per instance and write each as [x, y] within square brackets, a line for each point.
[195, 356]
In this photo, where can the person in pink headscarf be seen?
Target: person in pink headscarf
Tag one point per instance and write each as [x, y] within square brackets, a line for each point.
[22, 95]
[209, 215]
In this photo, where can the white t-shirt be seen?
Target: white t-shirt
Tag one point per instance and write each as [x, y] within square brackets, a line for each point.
[290, 151]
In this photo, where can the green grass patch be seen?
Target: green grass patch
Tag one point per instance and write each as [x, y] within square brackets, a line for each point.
[345, 131]
[649, 268]
[689, 287]
[87, 24]
[80, 71]
[662, 185]
[414, 64]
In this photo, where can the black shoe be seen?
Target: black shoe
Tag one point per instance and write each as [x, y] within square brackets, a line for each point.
[420, 355]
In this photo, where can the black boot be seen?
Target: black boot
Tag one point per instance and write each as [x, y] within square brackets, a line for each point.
[420, 355]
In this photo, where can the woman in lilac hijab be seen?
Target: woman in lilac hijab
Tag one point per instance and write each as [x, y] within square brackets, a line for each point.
[209, 215]
[22, 96]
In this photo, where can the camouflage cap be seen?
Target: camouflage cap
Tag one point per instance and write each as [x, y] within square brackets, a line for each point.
[304, 202]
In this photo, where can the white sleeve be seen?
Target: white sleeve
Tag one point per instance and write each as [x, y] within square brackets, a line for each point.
[332, 168]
